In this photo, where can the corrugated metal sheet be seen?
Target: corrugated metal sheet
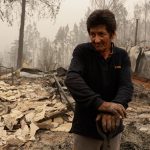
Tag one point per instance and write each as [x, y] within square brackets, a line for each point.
[140, 61]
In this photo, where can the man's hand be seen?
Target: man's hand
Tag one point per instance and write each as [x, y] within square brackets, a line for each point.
[109, 122]
[113, 108]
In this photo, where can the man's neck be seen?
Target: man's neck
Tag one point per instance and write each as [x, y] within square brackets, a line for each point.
[106, 53]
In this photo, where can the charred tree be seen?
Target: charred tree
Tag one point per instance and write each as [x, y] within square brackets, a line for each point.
[21, 36]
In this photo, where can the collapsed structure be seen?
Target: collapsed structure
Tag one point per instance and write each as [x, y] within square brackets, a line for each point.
[140, 61]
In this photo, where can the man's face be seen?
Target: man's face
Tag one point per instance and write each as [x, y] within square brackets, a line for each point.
[100, 38]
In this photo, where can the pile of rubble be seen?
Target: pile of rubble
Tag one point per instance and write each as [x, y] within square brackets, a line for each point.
[142, 89]
[28, 107]
[35, 114]
[137, 124]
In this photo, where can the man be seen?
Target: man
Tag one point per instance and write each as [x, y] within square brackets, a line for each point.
[99, 80]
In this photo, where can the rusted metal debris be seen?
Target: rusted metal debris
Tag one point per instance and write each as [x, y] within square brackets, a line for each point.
[65, 97]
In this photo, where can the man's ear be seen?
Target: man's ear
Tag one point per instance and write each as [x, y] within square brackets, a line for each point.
[113, 36]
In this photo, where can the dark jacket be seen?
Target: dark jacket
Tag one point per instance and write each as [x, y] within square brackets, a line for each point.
[91, 80]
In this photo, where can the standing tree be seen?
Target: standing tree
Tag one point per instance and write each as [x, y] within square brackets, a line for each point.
[62, 41]
[21, 36]
[113, 5]
[142, 12]
[41, 8]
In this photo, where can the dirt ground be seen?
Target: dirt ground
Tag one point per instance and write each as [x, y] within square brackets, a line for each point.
[136, 135]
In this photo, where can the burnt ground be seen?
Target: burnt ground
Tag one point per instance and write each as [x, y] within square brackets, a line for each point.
[136, 135]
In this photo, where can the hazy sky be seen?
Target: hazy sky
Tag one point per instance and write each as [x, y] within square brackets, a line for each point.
[71, 11]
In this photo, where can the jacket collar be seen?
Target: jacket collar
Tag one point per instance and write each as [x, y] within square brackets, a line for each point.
[113, 48]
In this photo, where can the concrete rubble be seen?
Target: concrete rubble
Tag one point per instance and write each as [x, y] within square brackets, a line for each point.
[27, 108]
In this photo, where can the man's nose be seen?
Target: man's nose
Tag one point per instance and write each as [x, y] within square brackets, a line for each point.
[97, 39]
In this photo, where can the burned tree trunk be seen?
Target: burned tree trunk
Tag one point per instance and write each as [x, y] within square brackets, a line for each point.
[21, 36]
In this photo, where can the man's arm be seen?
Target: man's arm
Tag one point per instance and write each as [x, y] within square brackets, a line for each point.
[82, 93]
[77, 86]
[125, 90]
[124, 95]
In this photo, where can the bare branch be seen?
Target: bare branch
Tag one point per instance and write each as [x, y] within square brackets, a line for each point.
[1, 16]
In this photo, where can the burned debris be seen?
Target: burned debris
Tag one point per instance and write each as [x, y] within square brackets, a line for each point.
[32, 105]
[36, 112]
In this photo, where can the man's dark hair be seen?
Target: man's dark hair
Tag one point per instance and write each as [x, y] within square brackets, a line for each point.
[102, 17]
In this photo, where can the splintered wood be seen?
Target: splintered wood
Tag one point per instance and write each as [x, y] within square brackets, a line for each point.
[28, 107]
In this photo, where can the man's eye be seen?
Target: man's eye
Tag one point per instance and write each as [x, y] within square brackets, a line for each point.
[101, 34]
[92, 34]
